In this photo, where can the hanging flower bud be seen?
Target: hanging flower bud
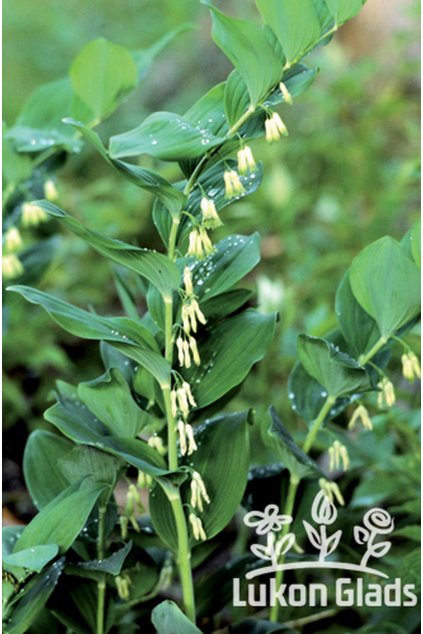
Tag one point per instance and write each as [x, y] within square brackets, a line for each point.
[174, 402]
[199, 244]
[361, 414]
[338, 455]
[198, 492]
[157, 443]
[210, 216]
[188, 282]
[191, 313]
[187, 388]
[233, 185]
[32, 215]
[331, 490]
[192, 445]
[197, 528]
[184, 356]
[123, 521]
[50, 191]
[122, 587]
[11, 266]
[187, 442]
[246, 162]
[12, 240]
[182, 402]
[275, 127]
[133, 505]
[194, 350]
[144, 480]
[410, 366]
[286, 94]
[386, 395]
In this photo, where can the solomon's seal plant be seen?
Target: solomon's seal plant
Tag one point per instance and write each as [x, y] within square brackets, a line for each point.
[156, 421]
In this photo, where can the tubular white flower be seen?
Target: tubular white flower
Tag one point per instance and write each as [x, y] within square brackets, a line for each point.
[32, 215]
[188, 282]
[331, 490]
[180, 347]
[11, 266]
[246, 162]
[50, 191]
[286, 94]
[338, 455]
[233, 185]
[157, 443]
[210, 216]
[386, 395]
[187, 389]
[182, 402]
[13, 239]
[197, 527]
[182, 437]
[361, 414]
[192, 445]
[194, 349]
[275, 127]
[174, 402]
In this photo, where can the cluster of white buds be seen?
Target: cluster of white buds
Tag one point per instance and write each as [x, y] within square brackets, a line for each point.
[275, 127]
[182, 399]
[187, 442]
[233, 185]
[32, 215]
[410, 366]
[12, 240]
[361, 414]
[197, 527]
[386, 395]
[50, 190]
[198, 492]
[210, 217]
[133, 508]
[338, 455]
[157, 443]
[286, 94]
[246, 162]
[191, 314]
[144, 480]
[187, 347]
[199, 243]
[11, 266]
[331, 490]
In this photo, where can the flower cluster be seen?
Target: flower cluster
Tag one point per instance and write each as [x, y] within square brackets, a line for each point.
[386, 396]
[275, 128]
[338, 456]
[410, 366]
[361, 414]
[331, 490]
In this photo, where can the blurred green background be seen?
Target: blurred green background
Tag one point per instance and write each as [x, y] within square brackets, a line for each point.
[346, 175]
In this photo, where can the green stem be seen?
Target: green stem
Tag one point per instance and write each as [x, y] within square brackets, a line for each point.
[101, 584]
[172, 237]
[314, 429]
[288, 509]
[365, 358]
[184, 557]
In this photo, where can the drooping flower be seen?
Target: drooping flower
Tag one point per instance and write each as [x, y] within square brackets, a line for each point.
[187, 442]
[198, 492]
[50, 190]
[386, 395]
[157, 443]
[11, 266]
[286, 94]
[191, 314]
[246, 162]
[410, 366]
[12, 240]
[331, 490]
[210, 217]
[33, 215]
[197, 528]
[233, 185]
[361, 414]
[189, 288]
[199, 243]
[338, 455]
[275, 127]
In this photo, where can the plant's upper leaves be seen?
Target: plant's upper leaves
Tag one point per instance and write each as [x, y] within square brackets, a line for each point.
[386, 283]
[227, 354]
[112, 565]
[295, 24]
[338, 373]
[248, 48]
[102, 74]
[167, 618]
[166, 136]
[359, 330]
[34, 558]
[294, 459]
[62, 519]
[343, 10]
[128, 336]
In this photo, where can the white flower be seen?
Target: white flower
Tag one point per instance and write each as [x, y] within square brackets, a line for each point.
[410, 366]
[210, 216]
[338, 455]
[233, 185]
[331, 490]
[361, 414]
[188, 282]
[50, 191]
[197, 527]
[386, 395]
[12, 239]
[191, 313]
[268, 520]
[157, 443]
[11, 266]
[246, 162]
[286, 94]
[32, 215]
[199, 244]
[275, 127]
[198, 492]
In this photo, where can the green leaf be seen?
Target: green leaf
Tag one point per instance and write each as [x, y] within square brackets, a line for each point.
[298, 463]
[359, 330]
[110, 399]
[155, 267]
[102, 75]
[111, 565]
[233, 258]
[61, 521]
[222, 459]
[339, 374]
[83, 462]
[90, 326]
[34, 558]
[415, 239]
[36, 594]
[226, 303]
[151, 181]
[167, 618]
[248, 48]
[145, 57]
[343, 10]
[386, 283]
[228, 353]
[166, 136]
[306, 395]
[43, 476]
[294, 23]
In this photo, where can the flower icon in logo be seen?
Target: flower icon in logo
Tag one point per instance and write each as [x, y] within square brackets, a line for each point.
[376, 522]
[268, 520]
[323, 511]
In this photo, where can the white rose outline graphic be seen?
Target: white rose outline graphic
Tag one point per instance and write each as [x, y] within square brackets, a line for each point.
[376, 522]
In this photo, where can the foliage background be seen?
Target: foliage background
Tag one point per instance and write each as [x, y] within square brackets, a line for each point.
[346, 175]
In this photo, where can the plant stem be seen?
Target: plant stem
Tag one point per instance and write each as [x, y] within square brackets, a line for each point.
[314, 429]
[101, 584]
[184, 557]
[287, 510]
[183, 554]
[365, 358]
